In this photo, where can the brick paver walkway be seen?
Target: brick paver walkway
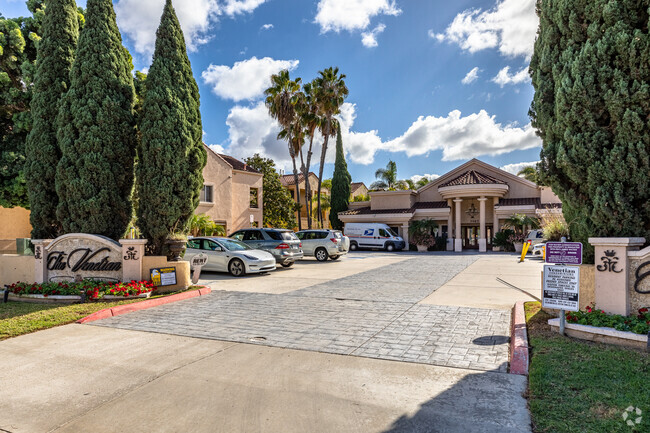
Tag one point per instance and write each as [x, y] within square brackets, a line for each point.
[372, 314]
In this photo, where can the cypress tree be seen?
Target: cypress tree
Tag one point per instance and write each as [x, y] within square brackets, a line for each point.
[53, 62]
[172, 156]
[341, 181]
[591, 74]
[97, 136]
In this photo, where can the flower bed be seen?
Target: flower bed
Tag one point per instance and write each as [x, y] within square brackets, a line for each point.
[638, 324]
[93, 289]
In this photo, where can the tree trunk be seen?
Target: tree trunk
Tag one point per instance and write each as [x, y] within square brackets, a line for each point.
[309, 154]
[297, 184]
[320, 170]
[307, 190]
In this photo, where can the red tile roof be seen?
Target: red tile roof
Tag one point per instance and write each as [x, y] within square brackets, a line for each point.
[418, 205]
[472, 177]
[288, 179]
[237, 164]
[354, 186]
[528, 201]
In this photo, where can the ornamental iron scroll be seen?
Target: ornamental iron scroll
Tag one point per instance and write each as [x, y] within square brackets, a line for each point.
[639, 277]
[609, 262]
[131, 254]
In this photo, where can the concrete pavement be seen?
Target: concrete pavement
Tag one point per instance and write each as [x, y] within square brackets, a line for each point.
[79, 378]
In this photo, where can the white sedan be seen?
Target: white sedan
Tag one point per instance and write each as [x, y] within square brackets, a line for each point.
[229, 255]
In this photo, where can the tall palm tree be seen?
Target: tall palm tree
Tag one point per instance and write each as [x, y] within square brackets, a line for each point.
[296, 133]
[388, 178]
[331, 91]
[280, 100]
[311, 121]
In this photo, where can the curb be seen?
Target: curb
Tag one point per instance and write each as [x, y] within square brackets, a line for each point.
[143, 305]
[518, 341]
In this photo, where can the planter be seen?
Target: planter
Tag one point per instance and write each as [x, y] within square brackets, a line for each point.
[41, 299]
[496, 249]
[603, 335]
[422, 248]
[176, 248]
[519, 246]
[122, 298]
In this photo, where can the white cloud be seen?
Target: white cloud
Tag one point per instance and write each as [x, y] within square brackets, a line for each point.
[139, 19]
[463, 137]
[251, 130]
[267, 27]
[416, 177]
[504, 77]
[516, 168]
[246, 79]
[471, 76]
[354, 15]
[511, 26]
[217, 148]
[369, 39]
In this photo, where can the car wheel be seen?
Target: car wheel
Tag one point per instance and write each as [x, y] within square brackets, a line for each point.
[334, 257]
[390, 247]
[353, 246]
[287, 265]
[321, 254]
[236, 268]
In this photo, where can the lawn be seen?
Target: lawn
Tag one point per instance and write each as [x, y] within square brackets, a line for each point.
[18, 318]
[579, 386]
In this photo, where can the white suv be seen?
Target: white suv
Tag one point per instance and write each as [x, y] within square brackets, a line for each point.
[323, 244]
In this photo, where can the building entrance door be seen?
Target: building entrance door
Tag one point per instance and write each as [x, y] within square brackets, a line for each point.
[471, 235]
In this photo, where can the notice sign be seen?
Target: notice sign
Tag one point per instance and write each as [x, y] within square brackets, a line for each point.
[163, 276]
[564, 253]
[561, 287]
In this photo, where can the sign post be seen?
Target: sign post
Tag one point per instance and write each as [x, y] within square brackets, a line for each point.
[197, 263]
[561, 288]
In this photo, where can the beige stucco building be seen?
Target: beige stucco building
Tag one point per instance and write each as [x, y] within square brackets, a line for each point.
[358, 189]
[232, 193]
[289, 182]
[469, 204]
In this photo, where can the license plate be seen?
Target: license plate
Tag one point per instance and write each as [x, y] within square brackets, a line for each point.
[295, 247]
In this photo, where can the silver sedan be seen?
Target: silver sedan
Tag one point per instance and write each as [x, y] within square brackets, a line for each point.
[230, 255]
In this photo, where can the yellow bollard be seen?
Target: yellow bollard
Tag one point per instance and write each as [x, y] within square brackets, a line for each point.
[544, 253]
[524, 251]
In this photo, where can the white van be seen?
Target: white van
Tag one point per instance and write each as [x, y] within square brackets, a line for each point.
[373, 235]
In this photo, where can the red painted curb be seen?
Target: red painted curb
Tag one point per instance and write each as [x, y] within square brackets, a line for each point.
[519, 357]
[123, 309]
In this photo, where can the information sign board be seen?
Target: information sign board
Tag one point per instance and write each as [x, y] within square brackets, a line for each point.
[163, 276]
[561, 287]
[564, 253]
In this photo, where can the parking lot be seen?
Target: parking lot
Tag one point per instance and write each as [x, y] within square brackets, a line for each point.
[367, 304]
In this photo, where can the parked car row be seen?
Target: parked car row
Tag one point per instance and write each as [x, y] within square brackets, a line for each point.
[251, 251]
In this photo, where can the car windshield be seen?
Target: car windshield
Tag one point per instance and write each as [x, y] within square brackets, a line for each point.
[281, 236]
[234, 245]
[392, 233]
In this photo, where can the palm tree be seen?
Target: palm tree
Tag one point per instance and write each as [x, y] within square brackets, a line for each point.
[280, 100]
[529, 173]
[311, 121]
[330, 94]
[519, 221]
[420, 183]
[388, 178]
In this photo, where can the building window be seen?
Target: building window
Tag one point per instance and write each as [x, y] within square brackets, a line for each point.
[206, 194]
[254, 198]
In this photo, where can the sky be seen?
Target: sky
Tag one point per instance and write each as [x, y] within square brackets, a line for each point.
[431, 83]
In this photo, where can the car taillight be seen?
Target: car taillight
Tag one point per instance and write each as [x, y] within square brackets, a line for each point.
[334, 240]
[282, 246]
[300, 245]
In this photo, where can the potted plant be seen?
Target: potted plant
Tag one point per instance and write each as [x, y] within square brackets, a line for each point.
[422, 234]
[175, 244]
[501, 241]
[518, 222]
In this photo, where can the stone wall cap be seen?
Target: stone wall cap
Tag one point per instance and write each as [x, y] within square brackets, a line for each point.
[623, 242]
[609, 332]
[133, 241]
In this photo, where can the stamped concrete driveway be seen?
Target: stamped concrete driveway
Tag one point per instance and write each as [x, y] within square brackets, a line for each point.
[373, 313]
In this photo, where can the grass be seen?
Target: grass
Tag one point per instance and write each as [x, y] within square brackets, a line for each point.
[579, 386]
[19, 318]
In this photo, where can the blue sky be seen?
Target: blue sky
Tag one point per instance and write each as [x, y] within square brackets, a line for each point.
[427, 78]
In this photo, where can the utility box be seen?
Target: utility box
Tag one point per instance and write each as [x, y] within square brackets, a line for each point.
[24, 247]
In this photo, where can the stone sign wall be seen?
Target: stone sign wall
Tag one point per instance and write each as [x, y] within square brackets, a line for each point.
[639, 279]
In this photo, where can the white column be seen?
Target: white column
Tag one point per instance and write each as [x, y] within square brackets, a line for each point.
[450, 228]
[458, 243]
[40, 260]
[495, 217]
[482, 242]
[405, 235]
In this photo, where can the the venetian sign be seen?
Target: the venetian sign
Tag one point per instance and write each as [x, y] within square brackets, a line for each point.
[83, 256]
